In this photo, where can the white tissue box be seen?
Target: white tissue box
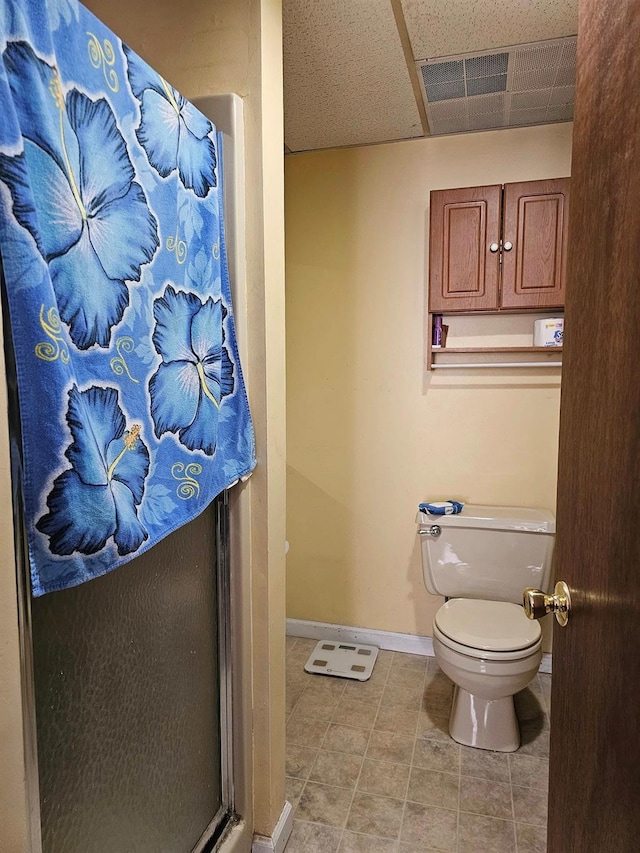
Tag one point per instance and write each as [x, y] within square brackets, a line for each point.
[548, 333]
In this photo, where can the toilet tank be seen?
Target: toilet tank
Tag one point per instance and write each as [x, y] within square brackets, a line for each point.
[487, 552]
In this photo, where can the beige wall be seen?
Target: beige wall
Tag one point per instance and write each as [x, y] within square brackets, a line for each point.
[370, 431]
[209, 48]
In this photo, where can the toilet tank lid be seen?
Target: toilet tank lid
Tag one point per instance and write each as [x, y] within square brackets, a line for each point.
[495, 517]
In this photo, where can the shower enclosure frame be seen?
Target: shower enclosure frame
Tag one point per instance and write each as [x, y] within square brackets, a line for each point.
[232, 520]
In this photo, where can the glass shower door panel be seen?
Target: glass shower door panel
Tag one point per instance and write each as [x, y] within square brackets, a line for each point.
[127, 702]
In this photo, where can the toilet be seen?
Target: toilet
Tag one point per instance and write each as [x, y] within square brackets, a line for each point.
[481, 560]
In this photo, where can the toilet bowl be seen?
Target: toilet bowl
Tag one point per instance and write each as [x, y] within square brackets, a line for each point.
[481, 560]
[488, 673]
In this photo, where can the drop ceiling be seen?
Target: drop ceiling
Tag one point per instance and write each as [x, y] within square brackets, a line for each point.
[358, 72]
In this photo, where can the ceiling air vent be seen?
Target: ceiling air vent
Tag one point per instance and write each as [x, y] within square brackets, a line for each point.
[478, 75]
[520, 85]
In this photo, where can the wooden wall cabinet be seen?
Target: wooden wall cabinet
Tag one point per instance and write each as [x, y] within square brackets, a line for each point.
[499, 248]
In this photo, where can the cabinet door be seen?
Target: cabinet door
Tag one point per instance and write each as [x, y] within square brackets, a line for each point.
[463, 271]
[536, 220]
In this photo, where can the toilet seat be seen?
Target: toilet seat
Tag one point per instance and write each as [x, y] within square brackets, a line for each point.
[497, 630]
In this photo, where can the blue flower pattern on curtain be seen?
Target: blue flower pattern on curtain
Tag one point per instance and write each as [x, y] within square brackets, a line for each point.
[87, 198]
[173, 133]
[132, 401]
[196, 371]
[109, 465]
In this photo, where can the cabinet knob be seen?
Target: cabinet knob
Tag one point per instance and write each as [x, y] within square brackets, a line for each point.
[508, 246]
[494, 247]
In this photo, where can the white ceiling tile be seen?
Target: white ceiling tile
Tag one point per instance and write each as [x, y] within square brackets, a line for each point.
[346, 78]
[450, 27]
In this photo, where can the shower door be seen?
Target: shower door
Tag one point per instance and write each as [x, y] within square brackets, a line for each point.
[131, 703]
[127, 678]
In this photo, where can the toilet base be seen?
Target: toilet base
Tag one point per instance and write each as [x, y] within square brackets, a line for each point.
[484, 723]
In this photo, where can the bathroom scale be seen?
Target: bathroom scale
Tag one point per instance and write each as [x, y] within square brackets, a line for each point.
[346, 660]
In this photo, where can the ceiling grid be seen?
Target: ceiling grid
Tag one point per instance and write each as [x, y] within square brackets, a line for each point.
[355, 72]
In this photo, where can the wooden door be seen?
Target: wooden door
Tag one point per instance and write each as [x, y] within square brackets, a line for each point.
[594, 796]
[464, 272]
[534, 234]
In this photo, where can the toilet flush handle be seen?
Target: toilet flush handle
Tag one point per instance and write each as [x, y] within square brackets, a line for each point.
[537, 603]
[434, 531]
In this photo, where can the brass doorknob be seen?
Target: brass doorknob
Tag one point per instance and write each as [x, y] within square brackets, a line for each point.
[537, 603]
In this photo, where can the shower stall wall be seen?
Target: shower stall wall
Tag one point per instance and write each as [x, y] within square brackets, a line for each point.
[128, 679]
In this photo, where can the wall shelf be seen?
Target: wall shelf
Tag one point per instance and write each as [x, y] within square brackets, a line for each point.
[508, 343]
[442, 350]
[478, 364]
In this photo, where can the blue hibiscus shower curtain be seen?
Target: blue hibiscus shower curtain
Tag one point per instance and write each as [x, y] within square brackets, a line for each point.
[133, 409]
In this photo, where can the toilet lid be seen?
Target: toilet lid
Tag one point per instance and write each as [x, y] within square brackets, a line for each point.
[497, 626]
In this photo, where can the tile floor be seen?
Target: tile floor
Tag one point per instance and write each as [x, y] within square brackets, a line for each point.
[372, 769]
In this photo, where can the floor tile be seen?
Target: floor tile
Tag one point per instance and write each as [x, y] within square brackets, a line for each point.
[291, 698]
[433, 668]
[352, 712]
[531, 839]
[293, 789]
[437, 705]
[398, 720]
[486, 764]
[365, 691]
[336, 768]
[320, 709]
[406, 661]
[388, 746]
[324, 804]
[545, 681]
[479, 834]
[346, 739]
[430, 826]
[325, 687]
[437, 702]
[299, 760]
[356, 750]
[387, 780]
[375, 815]
[305, 731]
[384, 661]
[433, 726]
[534, 740]
[301, 650]
[482, 796]
[434, 789]
[528, 705]
[402, 697]
[313, 838]
[296, 676]
[379, 676]
[530, 805]
[437, 755]
[290, 643]
[403, 677]
[529, 771]
[354, 842]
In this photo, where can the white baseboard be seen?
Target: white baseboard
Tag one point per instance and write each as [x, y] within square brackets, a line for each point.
[412, 644]
[276, 842]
